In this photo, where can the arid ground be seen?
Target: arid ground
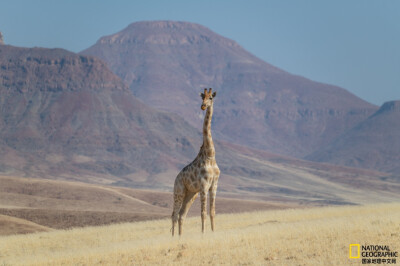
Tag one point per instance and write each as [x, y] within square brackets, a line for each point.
[313, 236]
[35, 205]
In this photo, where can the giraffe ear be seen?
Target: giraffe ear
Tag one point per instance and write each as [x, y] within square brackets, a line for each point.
[214, 94]
[202, 95]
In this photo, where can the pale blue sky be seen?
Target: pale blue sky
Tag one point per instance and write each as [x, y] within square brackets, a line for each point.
[352, 44]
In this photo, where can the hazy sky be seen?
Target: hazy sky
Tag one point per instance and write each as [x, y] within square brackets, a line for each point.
[352, 44]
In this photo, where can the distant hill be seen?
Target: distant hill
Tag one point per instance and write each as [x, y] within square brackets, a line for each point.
[165, 63]
[372, 144]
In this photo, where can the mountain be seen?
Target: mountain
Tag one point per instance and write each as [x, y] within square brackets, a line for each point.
[67, 116]
[372, 144]
[166, 63]
[63, 114]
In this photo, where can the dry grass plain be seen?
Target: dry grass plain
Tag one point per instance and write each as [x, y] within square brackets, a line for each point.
[314, 236]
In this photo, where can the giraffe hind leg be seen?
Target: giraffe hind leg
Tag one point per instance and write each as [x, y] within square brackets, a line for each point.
[178, 200]
[187, 202]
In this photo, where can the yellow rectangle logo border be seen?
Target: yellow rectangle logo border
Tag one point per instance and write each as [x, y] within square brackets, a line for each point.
[358, 251]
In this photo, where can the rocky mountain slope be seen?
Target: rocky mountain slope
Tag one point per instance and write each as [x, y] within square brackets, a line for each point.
[165, 63]
[372, 144]
[62, 113]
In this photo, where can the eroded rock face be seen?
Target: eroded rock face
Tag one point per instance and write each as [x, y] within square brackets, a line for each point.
[54, 70]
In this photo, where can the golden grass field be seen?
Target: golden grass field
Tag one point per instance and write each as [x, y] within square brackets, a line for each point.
[313, 236]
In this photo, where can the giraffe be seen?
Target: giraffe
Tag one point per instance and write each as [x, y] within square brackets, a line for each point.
[201, 175]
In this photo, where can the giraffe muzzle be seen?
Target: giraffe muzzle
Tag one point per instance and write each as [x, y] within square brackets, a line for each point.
[203, 107]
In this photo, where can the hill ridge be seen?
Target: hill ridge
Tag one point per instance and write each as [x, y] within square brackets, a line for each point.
[390, 106]
[372, 144]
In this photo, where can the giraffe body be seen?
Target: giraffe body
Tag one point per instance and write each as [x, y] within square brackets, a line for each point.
[200, 176]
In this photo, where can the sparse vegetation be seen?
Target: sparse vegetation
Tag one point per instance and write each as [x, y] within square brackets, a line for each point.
[40, 204]
[314, 236]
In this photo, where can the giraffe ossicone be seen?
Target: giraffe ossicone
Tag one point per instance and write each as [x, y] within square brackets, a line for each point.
[200, 176]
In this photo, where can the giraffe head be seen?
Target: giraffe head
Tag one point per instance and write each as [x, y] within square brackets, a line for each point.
[207, 98]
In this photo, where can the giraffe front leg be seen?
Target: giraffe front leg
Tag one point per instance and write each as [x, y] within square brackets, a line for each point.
[203, 199]
[213, 193]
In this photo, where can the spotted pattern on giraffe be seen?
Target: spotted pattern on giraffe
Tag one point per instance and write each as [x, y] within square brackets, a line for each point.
[200, 176]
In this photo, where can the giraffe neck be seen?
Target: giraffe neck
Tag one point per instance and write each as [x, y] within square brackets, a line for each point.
[208, 144]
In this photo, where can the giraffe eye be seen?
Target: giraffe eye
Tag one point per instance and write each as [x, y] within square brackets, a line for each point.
[210, 98]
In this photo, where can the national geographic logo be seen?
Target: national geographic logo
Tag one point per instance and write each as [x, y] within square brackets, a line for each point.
[373, 254]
